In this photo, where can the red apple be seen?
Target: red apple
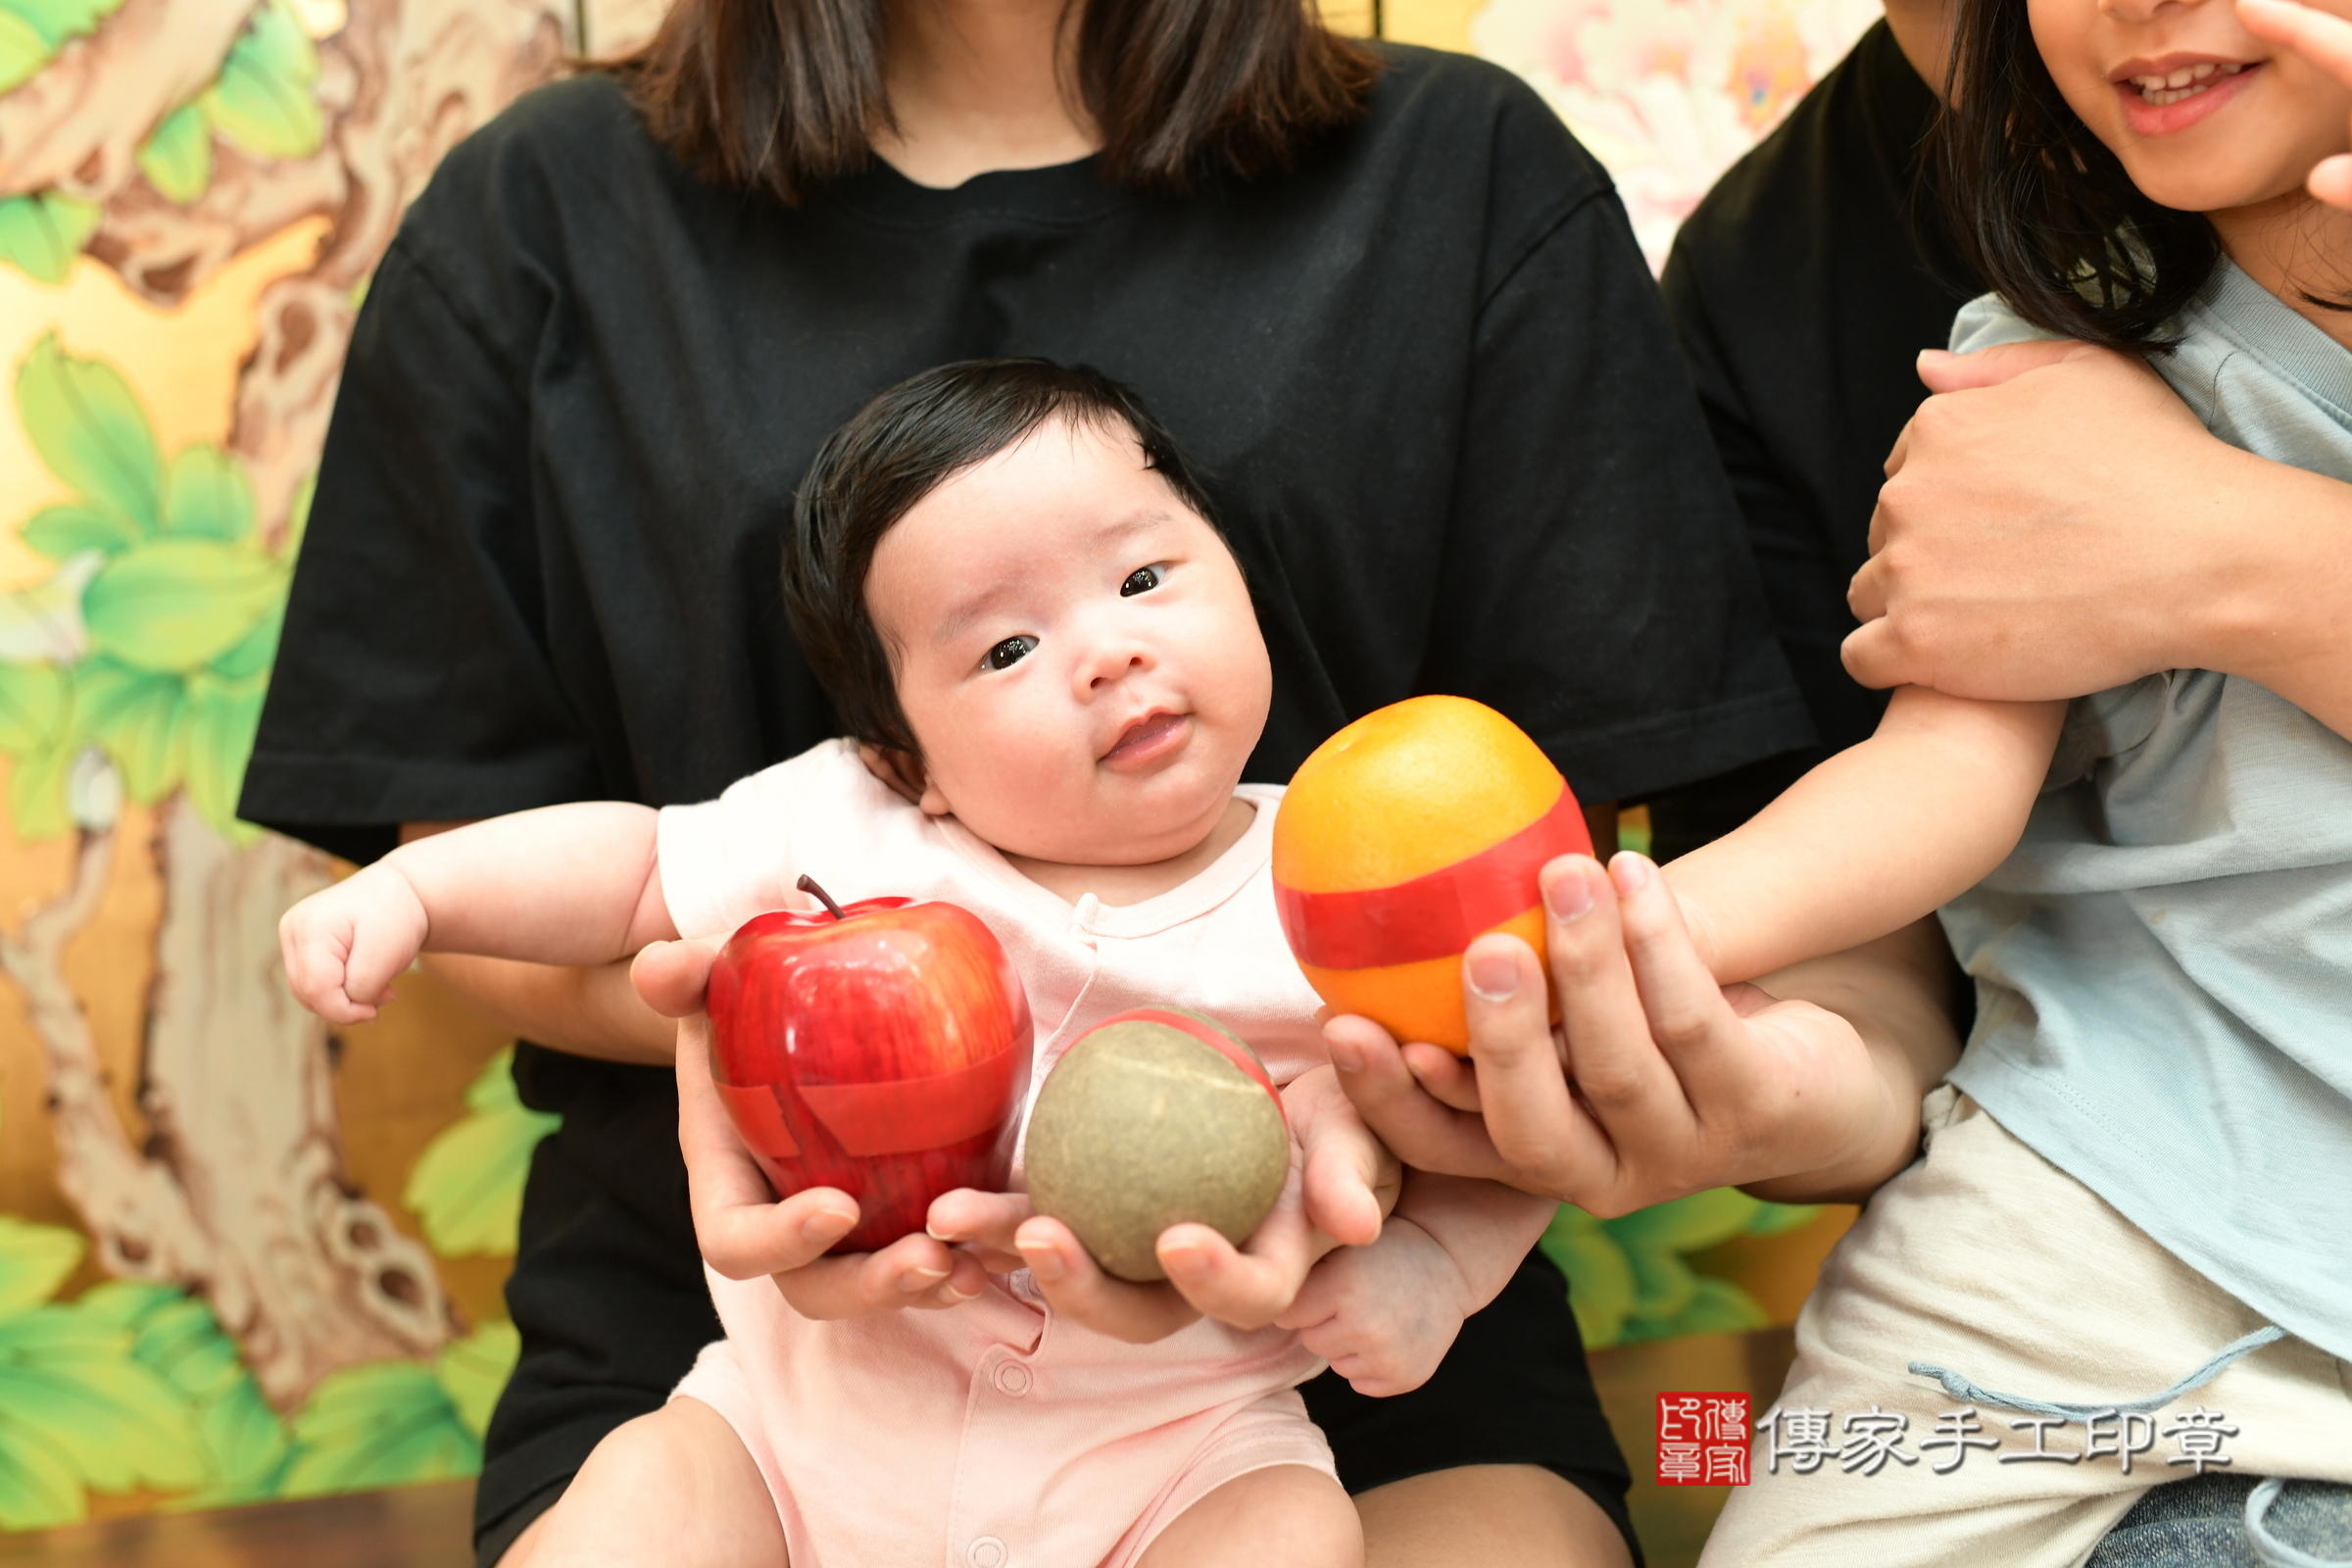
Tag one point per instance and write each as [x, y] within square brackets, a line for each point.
[882, 1049]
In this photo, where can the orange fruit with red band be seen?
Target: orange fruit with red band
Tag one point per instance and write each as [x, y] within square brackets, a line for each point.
[1402, 840]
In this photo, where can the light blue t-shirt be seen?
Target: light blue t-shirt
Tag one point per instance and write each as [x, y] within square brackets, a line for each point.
[2164, 964]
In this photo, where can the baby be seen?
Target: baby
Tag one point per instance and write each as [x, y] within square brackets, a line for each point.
[1011, 587]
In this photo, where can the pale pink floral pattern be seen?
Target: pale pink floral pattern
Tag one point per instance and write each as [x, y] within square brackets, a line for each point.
[1669, 94]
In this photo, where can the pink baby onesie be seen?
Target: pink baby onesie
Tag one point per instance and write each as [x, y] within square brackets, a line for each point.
[995, 1434]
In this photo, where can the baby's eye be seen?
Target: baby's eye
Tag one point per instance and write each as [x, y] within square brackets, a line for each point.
[1007, 652]
[1142, 580]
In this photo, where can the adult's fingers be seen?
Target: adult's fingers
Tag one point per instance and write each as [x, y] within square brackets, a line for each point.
[1963, 373]
[1448, 1079]
[1424, 1133]
[1691, 1022]
[672, 976]
[1522, 1087]
[1078, 1288]
[1876, 653]
[1627, 1093]
[2332, 180]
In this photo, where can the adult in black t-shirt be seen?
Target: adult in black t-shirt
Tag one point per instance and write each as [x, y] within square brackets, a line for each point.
[1802, 288]
[1440, 418]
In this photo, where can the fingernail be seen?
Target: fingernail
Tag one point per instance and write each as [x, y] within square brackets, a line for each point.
[1183, 1259]
[1346, 1054]
[822, 1227]
[1569, 894]
[953, 1296]
[1494, 975]
[1043, 1262]
[1933, 355]
[916, 1281]
[1631, 872]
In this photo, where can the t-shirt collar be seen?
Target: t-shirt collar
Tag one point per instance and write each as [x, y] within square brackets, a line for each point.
[1211, 887]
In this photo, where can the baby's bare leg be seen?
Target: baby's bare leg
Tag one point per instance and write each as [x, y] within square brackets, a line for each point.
[671, 1489]
[1285, 1513]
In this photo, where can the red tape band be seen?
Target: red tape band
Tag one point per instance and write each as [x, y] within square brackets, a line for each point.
[1436, 915]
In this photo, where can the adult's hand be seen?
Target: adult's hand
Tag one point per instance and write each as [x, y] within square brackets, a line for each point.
[1658, 1082]
[2020, 553]
[744, 1232]
[2325, 40]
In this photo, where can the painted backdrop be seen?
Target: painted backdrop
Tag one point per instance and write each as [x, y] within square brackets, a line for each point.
[241, 1257]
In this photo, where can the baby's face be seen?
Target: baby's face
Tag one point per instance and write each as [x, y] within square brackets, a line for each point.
[1076, 651]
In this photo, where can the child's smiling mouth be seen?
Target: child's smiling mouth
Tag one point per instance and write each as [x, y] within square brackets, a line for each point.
[2166, 95]
[1148, 739]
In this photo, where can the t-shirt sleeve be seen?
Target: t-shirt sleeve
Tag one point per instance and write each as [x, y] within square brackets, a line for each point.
[1987, 322]
[412, 682]
[724, 860]
[1597, 584]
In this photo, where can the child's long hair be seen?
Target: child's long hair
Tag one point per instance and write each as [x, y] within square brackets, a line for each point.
[2041, 209]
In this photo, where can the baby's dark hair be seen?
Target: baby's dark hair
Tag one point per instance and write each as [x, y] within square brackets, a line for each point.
[2042, 210]
[896, 450]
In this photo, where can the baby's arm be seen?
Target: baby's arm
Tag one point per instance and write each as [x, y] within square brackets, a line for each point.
[1876, 837]
[566, 885]
[1385, 1315]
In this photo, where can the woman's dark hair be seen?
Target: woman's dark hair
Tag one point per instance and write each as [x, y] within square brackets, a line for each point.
[896, 450]
[2042, 210]
[786, 94]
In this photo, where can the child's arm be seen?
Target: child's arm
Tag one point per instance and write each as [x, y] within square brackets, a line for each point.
[565, 885]
[1876, 837]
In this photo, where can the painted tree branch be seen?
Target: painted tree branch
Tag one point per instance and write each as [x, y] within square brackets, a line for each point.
[76, 127]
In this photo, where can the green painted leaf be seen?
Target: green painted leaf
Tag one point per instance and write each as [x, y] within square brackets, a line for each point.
[262, 100]
[61, 532]
[208, 495]
[34, 1260]
[33, 707]
[250, 660]
[1663, 1284]
[23, 51]
[221, 723]
[1687, 1224]
[140, 718]
[474, 1370]
[244, 1441]
[73, 1381]
[41, 234]
[59, 20]
[1774, 1219]
[1600, 1282]
[466, 1187]
[1714, 1307]
[87, 425]
[174, 604]
[37, 1487]
[37, 791]
[178, 157]
[385, 1424]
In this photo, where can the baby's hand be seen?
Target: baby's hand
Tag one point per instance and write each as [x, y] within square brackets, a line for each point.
[1384, 1315]
[343, 946]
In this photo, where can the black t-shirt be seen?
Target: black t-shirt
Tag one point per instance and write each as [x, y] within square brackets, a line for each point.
[1427, 381]
[1803, 289]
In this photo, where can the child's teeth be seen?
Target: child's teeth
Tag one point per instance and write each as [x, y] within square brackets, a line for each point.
[2186, 82]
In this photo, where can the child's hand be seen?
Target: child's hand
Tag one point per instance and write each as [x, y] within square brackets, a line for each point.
[343, 946]
[1342, 1182]
[1384, 1315]
[744, 1232]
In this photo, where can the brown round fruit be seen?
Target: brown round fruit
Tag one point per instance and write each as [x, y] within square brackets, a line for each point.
[1154, 1118]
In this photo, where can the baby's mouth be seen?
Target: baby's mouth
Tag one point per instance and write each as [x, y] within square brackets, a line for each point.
[1145, 735]
[2177, 86]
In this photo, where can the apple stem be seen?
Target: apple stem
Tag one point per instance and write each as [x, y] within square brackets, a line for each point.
[807, 884]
